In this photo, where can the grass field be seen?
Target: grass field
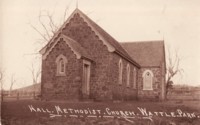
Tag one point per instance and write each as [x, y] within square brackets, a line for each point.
[19, 113]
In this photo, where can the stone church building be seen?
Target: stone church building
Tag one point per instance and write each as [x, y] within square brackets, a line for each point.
[82, 61]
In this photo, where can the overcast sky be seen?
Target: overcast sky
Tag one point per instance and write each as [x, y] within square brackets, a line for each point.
[175, 21]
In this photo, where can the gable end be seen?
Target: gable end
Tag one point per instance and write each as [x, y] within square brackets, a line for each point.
[73, 45]
[109, 46]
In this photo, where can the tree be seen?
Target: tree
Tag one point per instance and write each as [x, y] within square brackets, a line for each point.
[48, 27]
[173, 69]
[12, 82]
[35, 74]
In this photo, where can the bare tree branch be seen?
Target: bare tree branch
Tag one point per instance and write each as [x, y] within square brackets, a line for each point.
[173, 68]
[44, 27]
[35, 74]
[53, 26]
[65, 13]
[39, 32]
[48, 27]
[12, 82]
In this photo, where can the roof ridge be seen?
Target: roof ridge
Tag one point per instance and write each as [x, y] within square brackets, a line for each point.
[111, 43]
[143, 52]
[111, 40]
[43, 50]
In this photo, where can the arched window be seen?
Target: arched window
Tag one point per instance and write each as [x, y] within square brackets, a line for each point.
[61, 65]
[134, 78]
[147, 80]
[128, 75]
[120, 71]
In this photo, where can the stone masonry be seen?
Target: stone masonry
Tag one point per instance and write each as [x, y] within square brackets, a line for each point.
[104, 69]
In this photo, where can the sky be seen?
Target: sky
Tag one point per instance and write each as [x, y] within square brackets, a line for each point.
[177, 22]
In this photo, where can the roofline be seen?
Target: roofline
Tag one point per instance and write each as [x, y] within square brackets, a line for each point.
[66, 39]
[150, 66]
[130, 60]
[42, 51]
[83, 57]
[108, 45]
[149, 41]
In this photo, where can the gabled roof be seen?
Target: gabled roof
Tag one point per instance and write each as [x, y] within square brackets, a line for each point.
[77, 49]
[146, 53]
[109, 41]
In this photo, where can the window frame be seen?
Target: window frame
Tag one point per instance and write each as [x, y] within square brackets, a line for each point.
[134, 78]
[151, 80]
[120, 72]
[61, 65]
[128, 75]
[87, 87]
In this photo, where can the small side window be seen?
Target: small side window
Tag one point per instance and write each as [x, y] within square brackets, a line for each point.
[120, 71]
[134, 78]
[61, 65]
[128, 75]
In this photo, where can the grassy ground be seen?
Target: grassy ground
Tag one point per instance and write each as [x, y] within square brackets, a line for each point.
[18, 113]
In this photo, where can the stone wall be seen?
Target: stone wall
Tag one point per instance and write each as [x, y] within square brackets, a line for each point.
[122, 92]
[61, 87]
[157, 84]
[104, 68]
[79, 30]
